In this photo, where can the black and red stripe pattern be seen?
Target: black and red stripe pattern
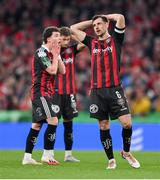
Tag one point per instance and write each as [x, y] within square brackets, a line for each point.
[65, 84]
[104, 63]
[42, 81]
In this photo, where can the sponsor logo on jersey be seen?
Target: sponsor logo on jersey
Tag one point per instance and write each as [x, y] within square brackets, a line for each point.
[68, 60]
[41, 53]
[108, 49]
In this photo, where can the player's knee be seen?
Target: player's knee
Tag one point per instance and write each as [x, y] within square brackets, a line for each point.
[104, 125]
[36, 126]
[52, 120]
[127, 124]
[126, 121]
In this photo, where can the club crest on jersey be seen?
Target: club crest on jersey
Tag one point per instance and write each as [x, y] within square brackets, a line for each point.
[108, 40]
[93, 108]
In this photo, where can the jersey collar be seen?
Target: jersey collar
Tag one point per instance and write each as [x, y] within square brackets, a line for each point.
[45, 47]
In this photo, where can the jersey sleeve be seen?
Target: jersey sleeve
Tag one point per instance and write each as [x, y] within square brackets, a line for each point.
[118, 35]
[75, 49]
[88, 41]
[43, 59]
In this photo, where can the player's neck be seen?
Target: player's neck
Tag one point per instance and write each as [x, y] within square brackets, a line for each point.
[47, 46]
[104, 36]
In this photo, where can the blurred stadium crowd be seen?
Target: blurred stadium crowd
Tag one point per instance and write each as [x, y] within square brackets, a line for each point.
[21, 26]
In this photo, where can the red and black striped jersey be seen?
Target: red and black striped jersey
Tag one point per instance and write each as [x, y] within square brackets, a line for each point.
[42, 81]
[65, 84]
[105, 59]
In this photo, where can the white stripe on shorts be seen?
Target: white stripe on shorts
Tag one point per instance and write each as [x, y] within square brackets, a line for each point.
[45, 106]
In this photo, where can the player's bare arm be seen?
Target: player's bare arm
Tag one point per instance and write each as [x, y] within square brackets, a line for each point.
[61, 66]
[79, 28]
[119, 18]
[80, 45]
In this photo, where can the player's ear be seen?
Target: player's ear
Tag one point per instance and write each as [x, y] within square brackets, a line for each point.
[48, 39]
[107, 25]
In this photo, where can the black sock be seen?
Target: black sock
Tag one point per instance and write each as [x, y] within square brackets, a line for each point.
[126, 135]
[68, 135]
[49, 137]
[106, 141]
[31, 140]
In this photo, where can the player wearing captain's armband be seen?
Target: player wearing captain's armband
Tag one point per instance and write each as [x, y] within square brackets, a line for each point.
[107, 96]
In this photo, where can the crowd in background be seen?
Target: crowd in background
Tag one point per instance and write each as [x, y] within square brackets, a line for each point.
[21, 26]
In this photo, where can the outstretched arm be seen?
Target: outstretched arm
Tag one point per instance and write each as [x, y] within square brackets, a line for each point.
[119, 18]
[78, 29]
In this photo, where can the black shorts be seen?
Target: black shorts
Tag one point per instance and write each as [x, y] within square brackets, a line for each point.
[67, 104]
[42, 109]
[108, 103]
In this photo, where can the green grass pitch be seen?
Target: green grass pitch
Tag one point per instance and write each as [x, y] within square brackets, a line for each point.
[92, 166]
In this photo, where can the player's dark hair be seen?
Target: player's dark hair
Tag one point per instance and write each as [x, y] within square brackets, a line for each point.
[65, 31]
[48, 32]
[104, 19]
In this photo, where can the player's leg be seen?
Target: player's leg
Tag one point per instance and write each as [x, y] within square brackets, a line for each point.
[50, 132]
[119, 109]
[126, 135]
[49, 141]
[106, 141]
[99, 110]
[69, 112]
[30, 143]
[68, 141]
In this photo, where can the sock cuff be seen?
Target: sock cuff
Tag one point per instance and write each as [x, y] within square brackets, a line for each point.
[34, 130]
[127, 128]
[105, 132]
[50, 126]
[127, 132]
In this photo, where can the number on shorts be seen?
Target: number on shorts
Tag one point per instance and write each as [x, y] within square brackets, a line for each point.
[72, 98]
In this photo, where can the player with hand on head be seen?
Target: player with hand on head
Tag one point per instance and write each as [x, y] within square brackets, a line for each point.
[107, 96]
